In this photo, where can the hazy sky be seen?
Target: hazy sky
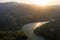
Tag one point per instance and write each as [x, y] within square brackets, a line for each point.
[50, 1]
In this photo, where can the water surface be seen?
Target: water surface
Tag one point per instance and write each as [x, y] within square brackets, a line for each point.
[29, 28]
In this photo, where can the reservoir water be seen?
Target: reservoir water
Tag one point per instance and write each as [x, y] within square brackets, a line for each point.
[29, 28]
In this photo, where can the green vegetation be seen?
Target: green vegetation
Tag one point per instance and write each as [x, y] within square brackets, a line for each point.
[10, 35]
[13, 16]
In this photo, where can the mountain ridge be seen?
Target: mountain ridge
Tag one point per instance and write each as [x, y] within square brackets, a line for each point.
[14, 15]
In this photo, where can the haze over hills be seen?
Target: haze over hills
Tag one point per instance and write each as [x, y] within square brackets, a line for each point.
[14, 15]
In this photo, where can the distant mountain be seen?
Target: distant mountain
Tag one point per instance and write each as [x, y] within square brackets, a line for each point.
[13, 15]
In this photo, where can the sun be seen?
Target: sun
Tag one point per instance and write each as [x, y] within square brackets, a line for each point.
[37, 2]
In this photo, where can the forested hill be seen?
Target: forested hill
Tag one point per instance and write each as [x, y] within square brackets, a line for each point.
[13, 15]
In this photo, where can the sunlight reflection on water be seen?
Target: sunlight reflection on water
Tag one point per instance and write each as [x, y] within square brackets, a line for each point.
[39, 24]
